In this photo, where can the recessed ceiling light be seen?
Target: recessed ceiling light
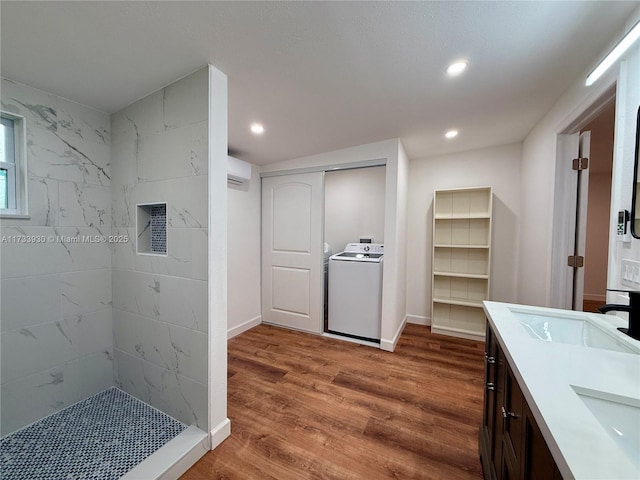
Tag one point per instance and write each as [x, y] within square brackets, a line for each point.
[257, 128]
[451, 134]
[456, 68]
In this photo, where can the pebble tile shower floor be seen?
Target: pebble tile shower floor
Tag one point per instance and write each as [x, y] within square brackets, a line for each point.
[99, 438]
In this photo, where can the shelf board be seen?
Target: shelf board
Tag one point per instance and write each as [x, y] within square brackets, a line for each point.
[463, 190]
[442, 245]
[467, 216]
[478, 335]
[461, 275]
[465, 302]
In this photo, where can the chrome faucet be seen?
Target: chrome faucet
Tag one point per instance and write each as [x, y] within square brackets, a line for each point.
[634, 314]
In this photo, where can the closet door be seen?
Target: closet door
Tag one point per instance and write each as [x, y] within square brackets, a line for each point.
[292, 266]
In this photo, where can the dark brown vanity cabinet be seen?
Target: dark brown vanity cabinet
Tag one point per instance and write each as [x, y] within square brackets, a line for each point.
[511, 444]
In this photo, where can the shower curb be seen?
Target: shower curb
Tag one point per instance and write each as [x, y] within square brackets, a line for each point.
[174, 458]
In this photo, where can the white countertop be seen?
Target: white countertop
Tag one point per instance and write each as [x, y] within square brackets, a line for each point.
[546, 372]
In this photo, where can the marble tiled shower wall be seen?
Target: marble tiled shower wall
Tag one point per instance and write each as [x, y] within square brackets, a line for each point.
[160, 154]
[56, 327]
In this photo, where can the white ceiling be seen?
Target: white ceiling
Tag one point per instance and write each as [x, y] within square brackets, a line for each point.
[321, 75]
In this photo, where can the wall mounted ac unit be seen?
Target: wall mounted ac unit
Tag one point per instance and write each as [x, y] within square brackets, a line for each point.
[238, 171]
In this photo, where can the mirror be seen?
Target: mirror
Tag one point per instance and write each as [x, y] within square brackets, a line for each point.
[635, 203]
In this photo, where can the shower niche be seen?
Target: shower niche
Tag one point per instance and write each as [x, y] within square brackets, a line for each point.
[151, 228]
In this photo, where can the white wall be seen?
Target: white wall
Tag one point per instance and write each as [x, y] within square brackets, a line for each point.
[243, 268]
[498, 167]
[539, 171]
[394, 281]
[597, 246]
[627, 103]
[394, 298]
[353, 206]
[218, 423]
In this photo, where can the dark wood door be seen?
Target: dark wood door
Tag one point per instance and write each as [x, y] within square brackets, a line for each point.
[488, 432]
[511, 444]
[512, 416]
[538, 463]
[498, 432]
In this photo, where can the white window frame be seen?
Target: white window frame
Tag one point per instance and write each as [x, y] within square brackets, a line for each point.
[17, 178]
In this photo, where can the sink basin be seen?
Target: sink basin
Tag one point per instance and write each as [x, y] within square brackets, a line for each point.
[620, 417]
[574, 329]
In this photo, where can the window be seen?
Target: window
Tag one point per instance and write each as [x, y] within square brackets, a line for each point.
[13, 187]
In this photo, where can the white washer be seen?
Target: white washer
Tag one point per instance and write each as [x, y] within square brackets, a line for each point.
[355, 291]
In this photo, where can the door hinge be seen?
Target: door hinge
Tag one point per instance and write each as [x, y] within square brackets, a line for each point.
[581, 163]
[575, 261]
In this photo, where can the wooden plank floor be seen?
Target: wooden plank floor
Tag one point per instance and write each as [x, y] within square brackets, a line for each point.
[309, 407]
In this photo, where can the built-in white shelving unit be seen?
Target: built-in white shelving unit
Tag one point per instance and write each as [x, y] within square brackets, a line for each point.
[461, 260]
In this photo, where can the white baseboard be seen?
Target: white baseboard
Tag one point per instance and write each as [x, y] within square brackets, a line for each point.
[243, 327]
[174, 458]
[220, 433]
[390, 345]
[418, 320]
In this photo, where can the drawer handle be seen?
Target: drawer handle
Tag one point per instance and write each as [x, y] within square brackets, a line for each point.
[506, 414]
[491, 386]
[491, 359]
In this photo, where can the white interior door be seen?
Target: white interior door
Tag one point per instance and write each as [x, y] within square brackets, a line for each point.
[564, 222]
[582, 196]
[570, 222]
[292, 267]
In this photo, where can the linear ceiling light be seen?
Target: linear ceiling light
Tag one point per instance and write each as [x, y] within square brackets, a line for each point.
[622, 46]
